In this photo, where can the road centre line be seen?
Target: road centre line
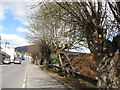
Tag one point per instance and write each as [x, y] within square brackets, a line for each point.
[23, 86]
[25, 75]
[25, 79]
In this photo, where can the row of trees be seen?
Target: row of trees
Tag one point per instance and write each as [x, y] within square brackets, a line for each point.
[65, 25]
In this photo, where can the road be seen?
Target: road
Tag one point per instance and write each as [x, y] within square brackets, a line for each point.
[27, 75]
[13, 75]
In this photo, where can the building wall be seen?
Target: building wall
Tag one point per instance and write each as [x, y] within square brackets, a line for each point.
[10, 51]
[1, 58]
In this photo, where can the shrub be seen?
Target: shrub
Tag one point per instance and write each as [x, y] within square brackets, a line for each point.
[54, 59]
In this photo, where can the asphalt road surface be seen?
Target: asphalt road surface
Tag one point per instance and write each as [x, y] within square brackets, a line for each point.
[27, 75]
[13, 75]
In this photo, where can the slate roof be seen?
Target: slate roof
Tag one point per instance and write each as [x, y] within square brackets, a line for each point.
[4, 54]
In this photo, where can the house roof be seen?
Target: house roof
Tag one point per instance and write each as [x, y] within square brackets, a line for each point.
[4, 54]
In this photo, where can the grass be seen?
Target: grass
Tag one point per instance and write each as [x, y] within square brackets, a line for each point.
[75, 83]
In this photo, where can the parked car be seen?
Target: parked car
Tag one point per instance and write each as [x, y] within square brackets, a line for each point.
[22, 58]
[6, 61]
[12, 61]
[17, 61]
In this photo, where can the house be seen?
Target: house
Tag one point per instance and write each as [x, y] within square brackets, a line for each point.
[11, 52]
[3, 55]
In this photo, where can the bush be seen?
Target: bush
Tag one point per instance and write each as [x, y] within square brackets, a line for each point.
[54, 59]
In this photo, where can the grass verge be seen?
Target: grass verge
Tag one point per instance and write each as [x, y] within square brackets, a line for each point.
[74, 83]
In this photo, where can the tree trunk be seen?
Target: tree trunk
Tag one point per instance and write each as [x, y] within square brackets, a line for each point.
[60, 61]
[41, 61]
[106, 71]
[107, 74]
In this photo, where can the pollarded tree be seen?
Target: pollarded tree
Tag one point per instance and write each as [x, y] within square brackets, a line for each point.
[34, 51]
[92, 18]
[47, 25]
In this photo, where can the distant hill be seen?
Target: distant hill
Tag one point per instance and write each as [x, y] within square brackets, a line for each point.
[21, 49]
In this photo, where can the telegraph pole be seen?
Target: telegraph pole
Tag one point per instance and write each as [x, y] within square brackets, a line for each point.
[6, 45]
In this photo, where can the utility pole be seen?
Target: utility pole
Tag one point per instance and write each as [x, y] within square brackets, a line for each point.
[6, 45]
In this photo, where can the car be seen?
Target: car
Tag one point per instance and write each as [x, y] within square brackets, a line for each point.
[12, 61]
[17, 61]
[6, 61]
[23, 58]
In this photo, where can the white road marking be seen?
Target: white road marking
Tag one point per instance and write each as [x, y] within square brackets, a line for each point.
[25, 75]
[23, 86]
[25, 79]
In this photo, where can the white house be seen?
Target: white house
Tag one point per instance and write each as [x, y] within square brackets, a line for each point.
[10, 51]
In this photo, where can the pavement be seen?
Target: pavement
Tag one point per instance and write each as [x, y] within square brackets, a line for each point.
[36, 78]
